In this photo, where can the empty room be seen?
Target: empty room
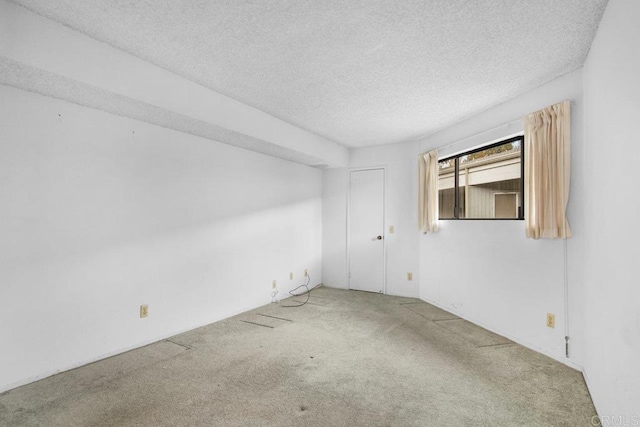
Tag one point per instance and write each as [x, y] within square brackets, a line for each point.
[329, 213]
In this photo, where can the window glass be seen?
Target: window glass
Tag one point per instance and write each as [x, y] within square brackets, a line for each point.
[488, 183]
[446, 188]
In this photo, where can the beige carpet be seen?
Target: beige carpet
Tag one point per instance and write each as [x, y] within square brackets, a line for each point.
[346, 358]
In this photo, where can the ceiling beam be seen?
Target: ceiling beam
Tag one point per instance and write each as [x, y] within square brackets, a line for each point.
[42, 56]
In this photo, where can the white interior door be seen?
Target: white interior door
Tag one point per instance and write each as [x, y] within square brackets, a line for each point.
[366, 230]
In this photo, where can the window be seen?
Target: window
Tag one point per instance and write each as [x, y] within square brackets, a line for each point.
[485, 183]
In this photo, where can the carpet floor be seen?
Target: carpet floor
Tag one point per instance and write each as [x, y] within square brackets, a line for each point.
[345, 358]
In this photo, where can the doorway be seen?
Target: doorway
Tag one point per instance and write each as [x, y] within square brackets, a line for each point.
[366, 230]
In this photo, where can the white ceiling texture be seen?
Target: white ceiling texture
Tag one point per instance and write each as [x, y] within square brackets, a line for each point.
[358, 73]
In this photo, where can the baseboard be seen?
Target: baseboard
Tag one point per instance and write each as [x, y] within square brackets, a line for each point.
[565, 361]
[75, 365]
[335, 287]
[7, 387]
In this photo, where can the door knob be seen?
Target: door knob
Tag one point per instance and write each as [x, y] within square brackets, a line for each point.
[379, 237]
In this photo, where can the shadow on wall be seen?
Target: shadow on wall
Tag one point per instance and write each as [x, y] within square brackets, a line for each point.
[76, 180]
[201, 252]
[102, 214]
[55, 211]
[85, 306]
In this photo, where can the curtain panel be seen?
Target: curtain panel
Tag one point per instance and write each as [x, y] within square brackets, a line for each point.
[547, 168]
[428, 192]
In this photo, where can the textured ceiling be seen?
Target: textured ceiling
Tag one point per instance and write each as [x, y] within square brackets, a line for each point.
[44, 83]
[356, 72]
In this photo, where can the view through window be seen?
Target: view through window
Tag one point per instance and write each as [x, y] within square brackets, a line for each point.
[485, 183]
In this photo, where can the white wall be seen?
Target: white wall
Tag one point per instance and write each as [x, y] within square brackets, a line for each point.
[487, 271]
[102, 213]
[611, 286]
[459, 266]
[335, 186]
[401, 246]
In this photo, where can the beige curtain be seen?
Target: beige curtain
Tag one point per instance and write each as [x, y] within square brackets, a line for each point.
[546, 171]
[428, 192]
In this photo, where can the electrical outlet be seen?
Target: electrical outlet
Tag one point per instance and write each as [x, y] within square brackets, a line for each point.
[306, 273]
[144, 310]
[409, 276]
[551, 320]
[291, 276]
[274, 285]
[392, 229]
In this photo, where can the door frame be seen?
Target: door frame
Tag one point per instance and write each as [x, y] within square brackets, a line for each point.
[384, 224]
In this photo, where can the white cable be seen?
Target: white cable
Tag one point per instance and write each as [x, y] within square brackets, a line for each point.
[566, 299]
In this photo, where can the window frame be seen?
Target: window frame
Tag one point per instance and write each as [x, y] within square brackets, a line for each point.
[456, 174]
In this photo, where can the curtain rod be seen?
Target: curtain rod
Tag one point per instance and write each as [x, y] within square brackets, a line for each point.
[557, 103]
[507, 124]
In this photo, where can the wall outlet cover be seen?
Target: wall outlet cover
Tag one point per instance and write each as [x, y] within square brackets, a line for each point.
[144, 310]
[551, 320]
